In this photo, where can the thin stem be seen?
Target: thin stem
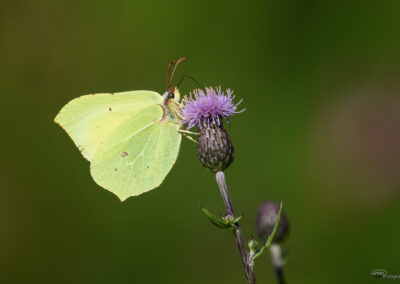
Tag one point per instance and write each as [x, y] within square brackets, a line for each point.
[279, 275]
[277, 262]
[248, 269]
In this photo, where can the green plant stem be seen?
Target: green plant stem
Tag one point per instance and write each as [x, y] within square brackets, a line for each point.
[248, 269]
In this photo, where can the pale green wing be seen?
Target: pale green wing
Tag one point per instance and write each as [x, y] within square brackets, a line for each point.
[90, 119]
[138, 154]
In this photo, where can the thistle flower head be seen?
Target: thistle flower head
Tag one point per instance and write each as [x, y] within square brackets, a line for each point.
[210, 107]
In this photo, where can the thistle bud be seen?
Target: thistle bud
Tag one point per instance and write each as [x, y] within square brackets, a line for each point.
[215, 149]
[266, 219]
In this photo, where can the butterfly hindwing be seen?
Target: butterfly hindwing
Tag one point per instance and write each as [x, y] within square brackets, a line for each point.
[138, 154]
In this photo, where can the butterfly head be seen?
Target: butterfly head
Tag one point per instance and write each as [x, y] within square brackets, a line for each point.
[171, 94]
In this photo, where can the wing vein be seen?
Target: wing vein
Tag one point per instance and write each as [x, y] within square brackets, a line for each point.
[134, 133]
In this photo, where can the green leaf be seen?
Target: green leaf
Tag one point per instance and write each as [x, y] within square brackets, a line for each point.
[223, 223]
[270, 237]
[253, 245]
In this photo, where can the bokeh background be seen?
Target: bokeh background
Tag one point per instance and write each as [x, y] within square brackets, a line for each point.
[320, 84]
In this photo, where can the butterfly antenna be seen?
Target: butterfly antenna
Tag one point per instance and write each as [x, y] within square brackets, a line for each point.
[173, 72]
[169, 70]
[191, 78]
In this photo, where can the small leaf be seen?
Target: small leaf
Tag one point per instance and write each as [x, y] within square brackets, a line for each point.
[237, 219]
[223, 223]
[253, 245]
[270, 237]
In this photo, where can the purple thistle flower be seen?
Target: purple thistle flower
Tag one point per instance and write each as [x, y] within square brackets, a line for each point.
[203, 109]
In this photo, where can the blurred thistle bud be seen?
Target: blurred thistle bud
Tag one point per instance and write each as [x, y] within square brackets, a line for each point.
[266, 219]
[207, 110]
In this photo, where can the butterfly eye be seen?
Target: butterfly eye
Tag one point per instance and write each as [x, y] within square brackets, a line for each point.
[171, 95]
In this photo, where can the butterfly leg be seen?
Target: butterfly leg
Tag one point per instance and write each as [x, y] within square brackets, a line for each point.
[188, 132]
[190, 138]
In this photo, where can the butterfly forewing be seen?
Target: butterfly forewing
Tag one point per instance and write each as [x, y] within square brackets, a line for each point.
[91, 119]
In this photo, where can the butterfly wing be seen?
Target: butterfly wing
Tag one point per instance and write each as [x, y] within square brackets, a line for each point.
[90, 119]
[138, 154]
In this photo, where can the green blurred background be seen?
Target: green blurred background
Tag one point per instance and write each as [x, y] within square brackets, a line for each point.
[321, 132]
